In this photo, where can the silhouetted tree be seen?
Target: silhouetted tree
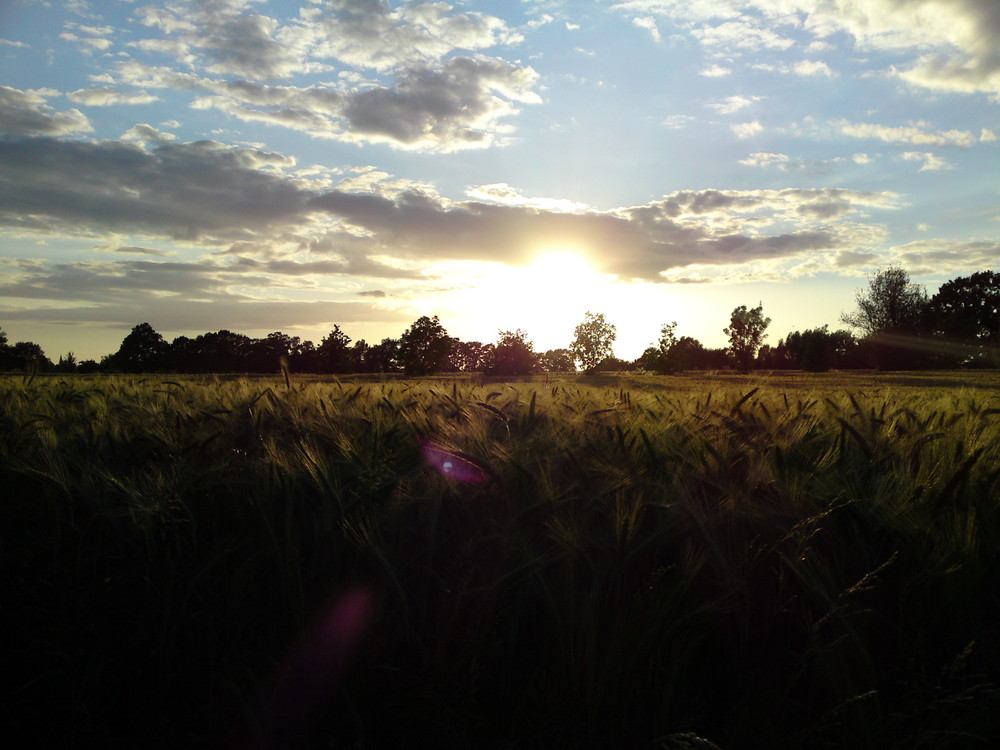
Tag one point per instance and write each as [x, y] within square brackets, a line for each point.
[746, 333]
[613, 364]
[268, 353]
[334, 353]
[513, 354]
[24, 355]
[593, 340]
[424, 347]
[468, 356]
[775, 357]
[965, 313]
[818, 349]
[66, 363]
[891, 314]
[358, 356]
[557, 360]
[384, 356]
[143, 350]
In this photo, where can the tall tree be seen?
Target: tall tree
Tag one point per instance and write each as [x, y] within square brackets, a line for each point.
[383, 356]
[334, 354]
[891, 314]
[965, 313]
[557, 360]
[424, 347]
[143, 350]
[746, 334]
[819, 349]
[514, 354]
[593, 340]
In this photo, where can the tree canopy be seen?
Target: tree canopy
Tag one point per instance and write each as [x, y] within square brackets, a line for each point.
[746, 334]
[593, 340]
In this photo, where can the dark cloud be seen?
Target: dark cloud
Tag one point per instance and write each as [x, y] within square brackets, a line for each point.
[205, 192]
[168, 315]
[26, 113]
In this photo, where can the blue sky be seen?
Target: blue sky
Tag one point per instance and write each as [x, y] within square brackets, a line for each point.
[280, 165]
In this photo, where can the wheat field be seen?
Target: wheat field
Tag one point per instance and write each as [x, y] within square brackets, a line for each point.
[644, 562]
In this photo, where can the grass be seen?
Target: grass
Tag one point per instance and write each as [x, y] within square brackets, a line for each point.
[774, 561]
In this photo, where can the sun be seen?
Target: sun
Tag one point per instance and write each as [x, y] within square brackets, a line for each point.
[562, 264]
[546, 297]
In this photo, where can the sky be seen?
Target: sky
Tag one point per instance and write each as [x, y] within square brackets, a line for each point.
[291, 165]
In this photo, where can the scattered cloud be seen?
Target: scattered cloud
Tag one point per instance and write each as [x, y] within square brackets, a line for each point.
[27, 113]
[929, 162]
[953, 43]
[715, 71]
[146, 133]
[746, 130]
[648, 23]
[785, 163]
[735, 103]
[677, 122]
[106, 97]
[914, 134]
[458, 106]
[932, 255]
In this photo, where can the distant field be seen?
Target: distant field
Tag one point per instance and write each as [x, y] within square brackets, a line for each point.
[779, 560]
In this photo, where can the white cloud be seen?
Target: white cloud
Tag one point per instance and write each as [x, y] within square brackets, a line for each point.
[912, 134]
[648, 23]
[954, 42]
[742, 35]
[861, 158]
[146, 133]
[930, 162]
[715, 71]
[745, 130]
[106, 97]
[732, 104]
[930, 256]
[813, 68]
[677, 122]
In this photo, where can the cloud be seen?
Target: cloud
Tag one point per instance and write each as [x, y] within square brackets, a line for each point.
[373, 35]
[262, 219]
[742, 35]
[225, 38]
[677, 122]
[953, 42]
[746, 130]
[813, 68]
[715, 71]
[458, 106]
[648, 23]
[106, 97]
[732, 104]
[913, 134]
[146, 133]
[930, 162]
[113, 247]
[801, 68]
[785, 163]
[931, 256]
[27, 113]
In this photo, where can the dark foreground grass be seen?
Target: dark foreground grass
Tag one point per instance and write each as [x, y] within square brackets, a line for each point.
[657, 563]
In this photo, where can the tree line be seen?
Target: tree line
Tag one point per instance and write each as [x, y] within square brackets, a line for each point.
[898, 327]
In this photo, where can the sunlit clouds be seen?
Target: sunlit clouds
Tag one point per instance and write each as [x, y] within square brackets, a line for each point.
[261, 165]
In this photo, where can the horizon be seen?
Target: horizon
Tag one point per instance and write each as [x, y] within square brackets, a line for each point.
[267, 166]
